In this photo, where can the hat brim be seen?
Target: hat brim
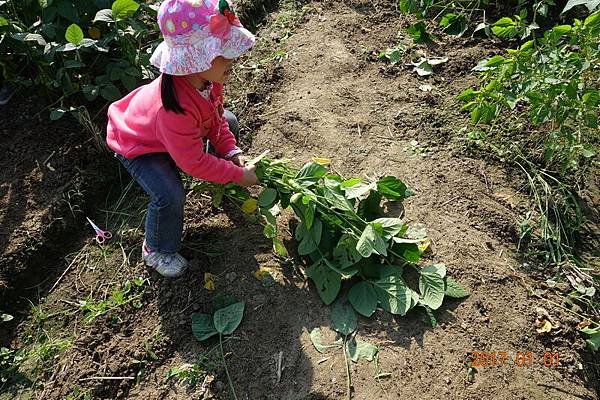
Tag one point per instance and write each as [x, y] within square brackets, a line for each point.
[195, 53]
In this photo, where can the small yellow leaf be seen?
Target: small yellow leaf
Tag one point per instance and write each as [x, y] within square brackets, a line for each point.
[209, 283]
[322, 160]
[424, 245]
[262, 271]
[543, 326]
[249, 206]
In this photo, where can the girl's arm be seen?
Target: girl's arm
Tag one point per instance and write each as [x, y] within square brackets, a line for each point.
[180, 135]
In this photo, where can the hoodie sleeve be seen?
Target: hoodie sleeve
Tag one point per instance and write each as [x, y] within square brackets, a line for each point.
[180, 135]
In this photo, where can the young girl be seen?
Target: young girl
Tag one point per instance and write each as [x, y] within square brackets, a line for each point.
[162, 126]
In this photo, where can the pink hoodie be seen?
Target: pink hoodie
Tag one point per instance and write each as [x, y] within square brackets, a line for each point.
[138, 124]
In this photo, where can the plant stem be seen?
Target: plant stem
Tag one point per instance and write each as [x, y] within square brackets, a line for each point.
[348, 377]
[225, 365]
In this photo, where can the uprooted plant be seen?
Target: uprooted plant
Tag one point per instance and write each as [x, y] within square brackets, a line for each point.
[344, 236]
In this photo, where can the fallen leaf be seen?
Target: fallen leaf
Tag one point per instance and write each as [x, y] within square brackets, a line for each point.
[424, 245]
[249, 206]
[209, 283]
[322, 161]
[262, 271]
[543, 326]
[584, 324]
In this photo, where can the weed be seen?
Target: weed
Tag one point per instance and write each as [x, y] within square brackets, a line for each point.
[130, 292]
[228, 314]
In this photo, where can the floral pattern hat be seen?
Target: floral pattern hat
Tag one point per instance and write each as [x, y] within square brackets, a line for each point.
[195, 33]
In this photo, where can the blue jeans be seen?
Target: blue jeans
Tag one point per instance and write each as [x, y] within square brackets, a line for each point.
[158, 175]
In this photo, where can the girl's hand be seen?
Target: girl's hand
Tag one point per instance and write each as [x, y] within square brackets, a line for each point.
[249, 178]
[238, 160]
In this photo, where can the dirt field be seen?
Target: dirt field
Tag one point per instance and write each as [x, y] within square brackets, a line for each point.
[329, 95]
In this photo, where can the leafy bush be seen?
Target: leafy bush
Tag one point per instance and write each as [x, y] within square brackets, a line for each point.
[95, 48]
[553, 82]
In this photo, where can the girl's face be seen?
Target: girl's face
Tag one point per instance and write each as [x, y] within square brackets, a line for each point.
[219, 71]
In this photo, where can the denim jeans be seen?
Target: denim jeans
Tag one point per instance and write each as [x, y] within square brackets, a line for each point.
[158, 175]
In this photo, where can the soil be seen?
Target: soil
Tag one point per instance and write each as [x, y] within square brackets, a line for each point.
[49, 171]
[330, 96]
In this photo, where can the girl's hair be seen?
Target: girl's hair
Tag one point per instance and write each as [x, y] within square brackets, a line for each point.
[168, 95]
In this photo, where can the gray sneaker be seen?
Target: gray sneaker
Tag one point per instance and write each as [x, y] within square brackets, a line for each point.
[168, 265]
[6, 92]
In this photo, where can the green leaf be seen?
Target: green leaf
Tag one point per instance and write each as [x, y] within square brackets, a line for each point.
[110, 92]
[393, 294]
[267, 198]
[454, 24]
[455, 289]
[431, 286]
[356, 189]
[590, 4]
[371, 242]
[591, 120]
[363, 298]
[309, 214]
[227, 319]
[57, 114]
[29, 37]
[311, 173]
[202, 326]
[270, 231]
[129, 82]
[327, 281]
[391, 226]
[317, 340]
[439, 269]
[279, 247]
[467, 95]
[358, 349]
[419, 33]
[423, 68]
[392, 188]
[408, 251]
[410, 6]
[222, 300]
[593, 343]
[311, 239]
[505, 27]
[122, 9]
[74, 34]
[345, 253]
[105, 15]
[335, 196]
[343, 318]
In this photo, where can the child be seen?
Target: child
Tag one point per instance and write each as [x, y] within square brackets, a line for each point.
[161, 126]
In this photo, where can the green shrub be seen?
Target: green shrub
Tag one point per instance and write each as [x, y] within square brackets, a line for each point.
[90, 47]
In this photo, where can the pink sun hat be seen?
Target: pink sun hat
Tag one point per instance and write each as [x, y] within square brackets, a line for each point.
[195, 33]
